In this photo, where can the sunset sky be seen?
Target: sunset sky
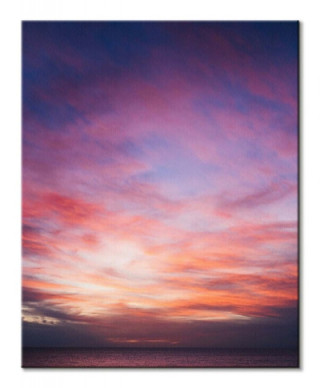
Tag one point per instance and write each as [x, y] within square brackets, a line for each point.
[160, 184]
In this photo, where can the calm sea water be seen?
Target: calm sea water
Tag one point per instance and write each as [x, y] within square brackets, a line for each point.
[151, 358]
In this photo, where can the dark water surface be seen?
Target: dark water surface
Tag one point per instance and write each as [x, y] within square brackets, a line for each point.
[151, 358]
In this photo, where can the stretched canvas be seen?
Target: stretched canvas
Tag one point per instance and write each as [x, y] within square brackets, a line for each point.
[160, 194]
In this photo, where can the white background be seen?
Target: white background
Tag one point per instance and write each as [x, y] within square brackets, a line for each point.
[11, 374]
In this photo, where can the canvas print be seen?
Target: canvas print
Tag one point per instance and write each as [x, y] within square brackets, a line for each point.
[160, 194]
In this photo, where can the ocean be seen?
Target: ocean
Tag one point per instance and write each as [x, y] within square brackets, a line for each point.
[158, 358]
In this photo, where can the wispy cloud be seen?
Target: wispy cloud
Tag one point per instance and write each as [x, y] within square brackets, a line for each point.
[159, 182]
